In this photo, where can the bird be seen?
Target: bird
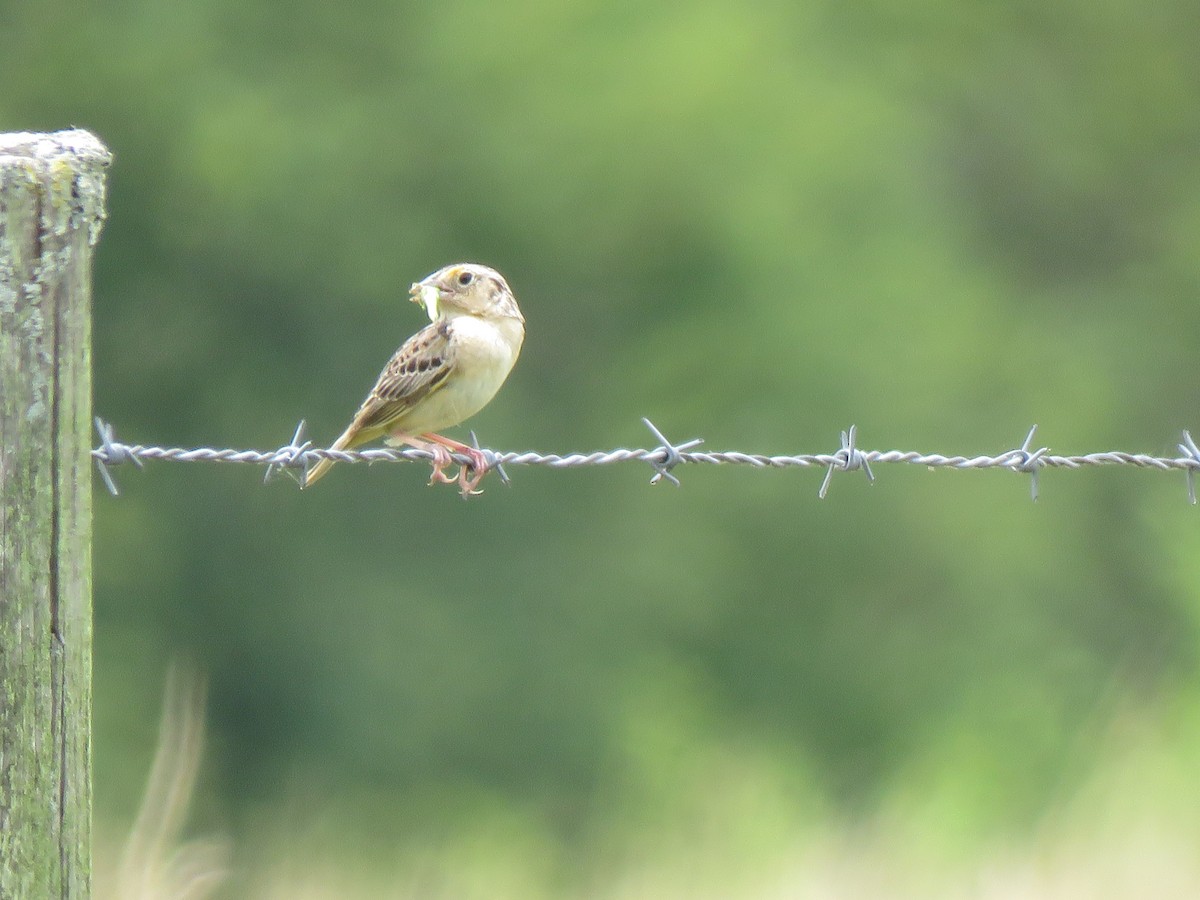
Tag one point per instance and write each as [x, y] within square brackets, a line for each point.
[443, 374]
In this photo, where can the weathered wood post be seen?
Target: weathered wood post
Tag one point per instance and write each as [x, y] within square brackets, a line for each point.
[51, 209]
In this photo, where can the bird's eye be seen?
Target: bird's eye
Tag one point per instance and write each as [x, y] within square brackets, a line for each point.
[465, 278]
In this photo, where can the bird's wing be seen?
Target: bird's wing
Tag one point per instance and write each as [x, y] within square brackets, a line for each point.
[416, 371]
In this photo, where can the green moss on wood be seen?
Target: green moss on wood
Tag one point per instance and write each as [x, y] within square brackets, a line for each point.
[51, 207]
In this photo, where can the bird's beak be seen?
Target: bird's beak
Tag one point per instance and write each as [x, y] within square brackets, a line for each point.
[427, 295]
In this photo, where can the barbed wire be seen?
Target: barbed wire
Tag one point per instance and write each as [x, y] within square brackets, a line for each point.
[297, 456]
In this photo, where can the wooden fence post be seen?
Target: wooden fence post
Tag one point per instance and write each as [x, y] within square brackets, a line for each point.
[51, 209]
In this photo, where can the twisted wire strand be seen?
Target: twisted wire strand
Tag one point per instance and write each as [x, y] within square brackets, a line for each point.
[301, 455]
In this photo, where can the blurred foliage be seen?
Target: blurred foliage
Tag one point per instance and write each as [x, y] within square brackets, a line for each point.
[751, 222]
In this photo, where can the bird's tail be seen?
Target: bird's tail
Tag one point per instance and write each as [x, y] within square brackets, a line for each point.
[345, 442]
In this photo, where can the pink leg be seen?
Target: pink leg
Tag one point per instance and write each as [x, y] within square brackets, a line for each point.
[478, 466]
[441, 456]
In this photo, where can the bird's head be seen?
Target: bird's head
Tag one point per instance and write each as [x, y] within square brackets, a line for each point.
[465, 289]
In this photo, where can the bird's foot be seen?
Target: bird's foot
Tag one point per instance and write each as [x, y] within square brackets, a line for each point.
[469, 475]
[441, 459]
[477, 469]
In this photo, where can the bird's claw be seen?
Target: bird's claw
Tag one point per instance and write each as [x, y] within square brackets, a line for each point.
[441, 459]
[469, 475]
[478, 468]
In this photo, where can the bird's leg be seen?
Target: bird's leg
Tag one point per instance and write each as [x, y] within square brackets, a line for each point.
[441, 456]
[478, 465]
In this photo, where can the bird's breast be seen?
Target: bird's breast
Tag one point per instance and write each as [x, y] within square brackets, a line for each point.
[484, 353]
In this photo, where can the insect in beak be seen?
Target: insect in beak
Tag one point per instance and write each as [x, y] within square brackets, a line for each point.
[427, 295]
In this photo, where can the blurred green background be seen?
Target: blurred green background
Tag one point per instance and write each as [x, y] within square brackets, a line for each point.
[756, 223]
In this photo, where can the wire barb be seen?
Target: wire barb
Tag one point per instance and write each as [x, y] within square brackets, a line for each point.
[1026, 460]
[111, 453]
[1192, 452]
[291, 456]
[493, 462]
[847, 459]
[671, 454]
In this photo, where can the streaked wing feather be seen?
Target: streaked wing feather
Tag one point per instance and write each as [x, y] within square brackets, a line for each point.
[418, 369]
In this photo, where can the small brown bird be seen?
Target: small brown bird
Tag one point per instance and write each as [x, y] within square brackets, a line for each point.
[443, 374]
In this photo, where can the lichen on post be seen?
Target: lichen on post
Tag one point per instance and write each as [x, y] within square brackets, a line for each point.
[51, 210]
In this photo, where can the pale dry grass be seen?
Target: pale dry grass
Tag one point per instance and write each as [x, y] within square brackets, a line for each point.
[155, 863]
